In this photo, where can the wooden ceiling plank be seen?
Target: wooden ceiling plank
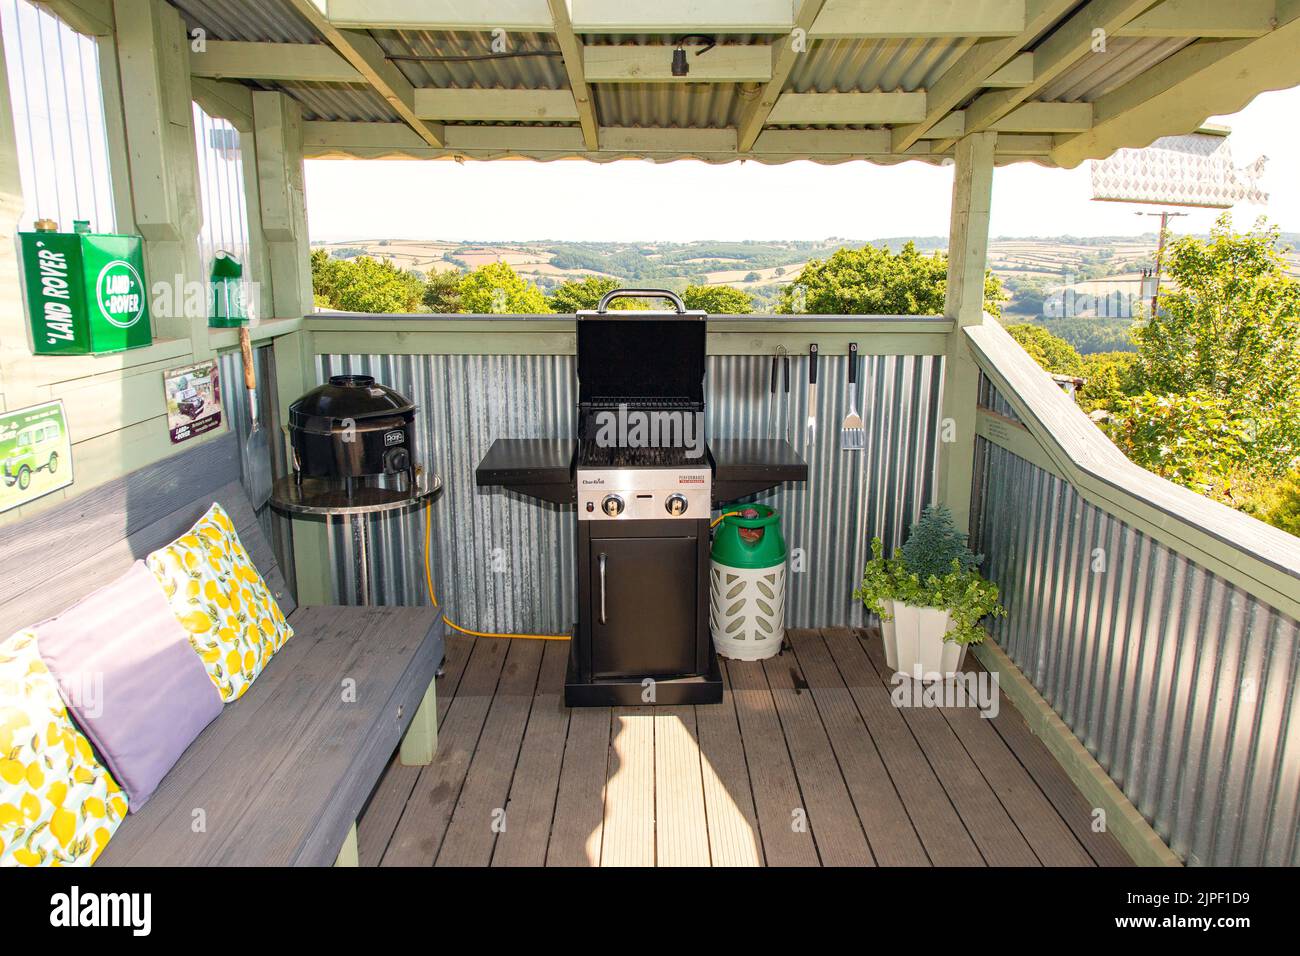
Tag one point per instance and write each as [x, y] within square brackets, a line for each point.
[572, 51]
[846, 109]
[366, 56]
[1074, 39]
[1203, 18]
[449, 15]
[1208, 77]
[966, 77]
[909, 18]
[280, 62]
[653, 64]
[495, 106]
[784, 54]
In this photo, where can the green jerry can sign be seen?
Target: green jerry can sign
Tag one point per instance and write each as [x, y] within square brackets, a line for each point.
[85, 292]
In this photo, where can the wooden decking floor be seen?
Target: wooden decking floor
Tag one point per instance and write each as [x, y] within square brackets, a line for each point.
[805, 762]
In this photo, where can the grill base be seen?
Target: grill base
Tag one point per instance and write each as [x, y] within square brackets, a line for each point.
[703, 688]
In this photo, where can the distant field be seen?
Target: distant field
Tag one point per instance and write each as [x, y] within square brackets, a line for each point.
[1094, 266]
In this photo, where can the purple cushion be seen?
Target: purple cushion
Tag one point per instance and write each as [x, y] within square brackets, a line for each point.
[130, 678]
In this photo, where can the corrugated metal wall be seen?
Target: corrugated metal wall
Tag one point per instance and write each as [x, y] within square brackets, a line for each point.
[506, 563]
[1183, 686]
[234, 400]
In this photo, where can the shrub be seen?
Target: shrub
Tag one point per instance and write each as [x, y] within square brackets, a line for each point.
[934, 568]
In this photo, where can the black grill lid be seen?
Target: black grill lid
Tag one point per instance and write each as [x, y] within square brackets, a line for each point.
[647, 355]
[356, 397]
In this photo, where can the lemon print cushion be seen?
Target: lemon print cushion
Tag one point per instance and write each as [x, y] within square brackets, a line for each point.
[58, 805]
[218, 596]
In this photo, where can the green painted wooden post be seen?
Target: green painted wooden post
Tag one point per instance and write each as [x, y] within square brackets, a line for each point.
[154, 71]
[968, 241]
[421, 740]
[348, 855]
[277, 131]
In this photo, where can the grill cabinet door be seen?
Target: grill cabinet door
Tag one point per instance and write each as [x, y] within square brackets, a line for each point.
[649, 620]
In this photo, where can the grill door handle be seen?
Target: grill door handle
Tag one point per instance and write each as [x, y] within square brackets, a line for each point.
[602, 588]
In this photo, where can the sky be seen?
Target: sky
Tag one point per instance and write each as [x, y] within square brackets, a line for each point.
[689, 200]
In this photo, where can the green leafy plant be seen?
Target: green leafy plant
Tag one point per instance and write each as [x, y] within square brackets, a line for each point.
[935, 569]
[875, 281]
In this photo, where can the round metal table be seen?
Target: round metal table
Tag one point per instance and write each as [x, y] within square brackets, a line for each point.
[316, 497]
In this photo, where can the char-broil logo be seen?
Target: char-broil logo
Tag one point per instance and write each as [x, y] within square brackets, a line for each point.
[73, 909]
[594, 482]
[394, 438]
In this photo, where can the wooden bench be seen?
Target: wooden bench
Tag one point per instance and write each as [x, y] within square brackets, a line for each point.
[280, 777]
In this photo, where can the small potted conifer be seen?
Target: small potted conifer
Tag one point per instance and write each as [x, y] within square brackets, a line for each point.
[930, 598]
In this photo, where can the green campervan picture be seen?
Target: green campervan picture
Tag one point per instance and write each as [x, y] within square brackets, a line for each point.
[35, 454]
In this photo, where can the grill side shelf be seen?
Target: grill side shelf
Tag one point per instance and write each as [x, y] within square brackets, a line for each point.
[537, 467]
[747, 466]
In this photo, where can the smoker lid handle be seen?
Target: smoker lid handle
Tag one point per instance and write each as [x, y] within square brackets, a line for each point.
[609, 297]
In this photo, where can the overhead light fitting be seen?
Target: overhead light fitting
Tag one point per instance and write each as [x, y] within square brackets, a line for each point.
[681, 67]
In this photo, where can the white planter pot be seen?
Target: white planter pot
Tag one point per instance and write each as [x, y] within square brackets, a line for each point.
[915, 645]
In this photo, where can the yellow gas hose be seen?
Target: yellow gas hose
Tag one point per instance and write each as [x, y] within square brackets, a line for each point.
[428, 580]
[730, 514]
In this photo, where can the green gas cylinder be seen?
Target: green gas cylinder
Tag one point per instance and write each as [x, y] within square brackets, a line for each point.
[747, 577]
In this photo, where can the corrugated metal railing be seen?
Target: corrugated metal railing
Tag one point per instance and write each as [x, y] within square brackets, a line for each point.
[1182, 685]
[504, 562]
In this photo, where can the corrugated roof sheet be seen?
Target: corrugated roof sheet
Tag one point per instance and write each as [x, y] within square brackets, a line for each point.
[1100, 73]
[847, 66]
[272, 21]
[829, 65]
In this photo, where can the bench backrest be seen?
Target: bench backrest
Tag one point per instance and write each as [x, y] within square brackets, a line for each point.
[56, 557]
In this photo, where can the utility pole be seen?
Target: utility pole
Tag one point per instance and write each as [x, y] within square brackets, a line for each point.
[1165, 215]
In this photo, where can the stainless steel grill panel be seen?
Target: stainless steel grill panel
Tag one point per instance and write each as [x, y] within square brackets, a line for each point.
[502, 562]
[1182, 685]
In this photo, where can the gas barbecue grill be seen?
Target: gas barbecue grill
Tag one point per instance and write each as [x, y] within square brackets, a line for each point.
[644, 480]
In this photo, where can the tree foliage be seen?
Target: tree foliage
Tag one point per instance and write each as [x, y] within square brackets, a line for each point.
[873, 280]
[1230, 330]
[1110, 378]
[718, 299]
[1053, 354]
[364, 284]
[442, 292]
[497, 289]
[579, 295]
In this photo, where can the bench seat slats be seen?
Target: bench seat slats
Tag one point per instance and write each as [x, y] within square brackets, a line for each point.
[79, 574]
[75, 532]
[283, 772]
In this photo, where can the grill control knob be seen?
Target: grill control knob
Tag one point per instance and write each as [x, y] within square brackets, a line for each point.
[612, 505]
[675, 505]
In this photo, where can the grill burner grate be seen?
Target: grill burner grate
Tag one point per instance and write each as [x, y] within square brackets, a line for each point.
[593, 455]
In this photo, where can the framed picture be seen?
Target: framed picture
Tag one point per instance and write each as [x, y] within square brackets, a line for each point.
[35, 453]
[193, 400]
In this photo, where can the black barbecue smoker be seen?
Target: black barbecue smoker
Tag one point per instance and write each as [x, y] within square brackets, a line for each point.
[643, 479]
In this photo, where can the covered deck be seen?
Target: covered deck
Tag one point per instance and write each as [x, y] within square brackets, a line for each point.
[1149, 710]
[806, 762]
